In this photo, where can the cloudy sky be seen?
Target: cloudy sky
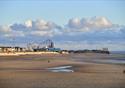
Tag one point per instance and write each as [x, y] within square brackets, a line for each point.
[71, 24]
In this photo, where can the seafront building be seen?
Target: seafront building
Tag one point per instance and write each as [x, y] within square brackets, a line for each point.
[8, 49]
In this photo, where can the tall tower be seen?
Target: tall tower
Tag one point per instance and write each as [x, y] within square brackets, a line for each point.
[51, 45]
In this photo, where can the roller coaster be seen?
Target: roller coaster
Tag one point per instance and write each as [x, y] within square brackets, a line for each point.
[42, 45]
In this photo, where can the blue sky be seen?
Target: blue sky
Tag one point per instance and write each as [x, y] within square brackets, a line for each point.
[64, 19]
[60, 10]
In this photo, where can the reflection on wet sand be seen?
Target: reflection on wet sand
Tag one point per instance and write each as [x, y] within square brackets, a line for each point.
[61, 69]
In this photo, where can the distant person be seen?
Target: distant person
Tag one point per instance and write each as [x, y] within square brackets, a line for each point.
[48, 61]
[123, 71]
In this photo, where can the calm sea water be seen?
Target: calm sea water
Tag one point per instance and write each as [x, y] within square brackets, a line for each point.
[117, 52]
[115, 61]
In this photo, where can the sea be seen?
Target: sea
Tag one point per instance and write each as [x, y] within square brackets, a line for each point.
[117, 52]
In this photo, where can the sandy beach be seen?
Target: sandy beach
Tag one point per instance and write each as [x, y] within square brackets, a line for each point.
[30, 71]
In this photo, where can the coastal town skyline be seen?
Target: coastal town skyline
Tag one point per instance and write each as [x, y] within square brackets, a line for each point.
[70, 24]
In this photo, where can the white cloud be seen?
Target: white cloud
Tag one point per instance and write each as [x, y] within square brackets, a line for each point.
[42, 33]
[42, 28]
[40, 25]
[5, 29]
[75, 26]
[15, 34]
[36, 28]
[99, 22]
[43, 25]
[28, 23]
[88, 24]
[75, 23]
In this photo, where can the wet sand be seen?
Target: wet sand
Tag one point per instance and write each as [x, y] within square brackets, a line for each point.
[29, 71]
